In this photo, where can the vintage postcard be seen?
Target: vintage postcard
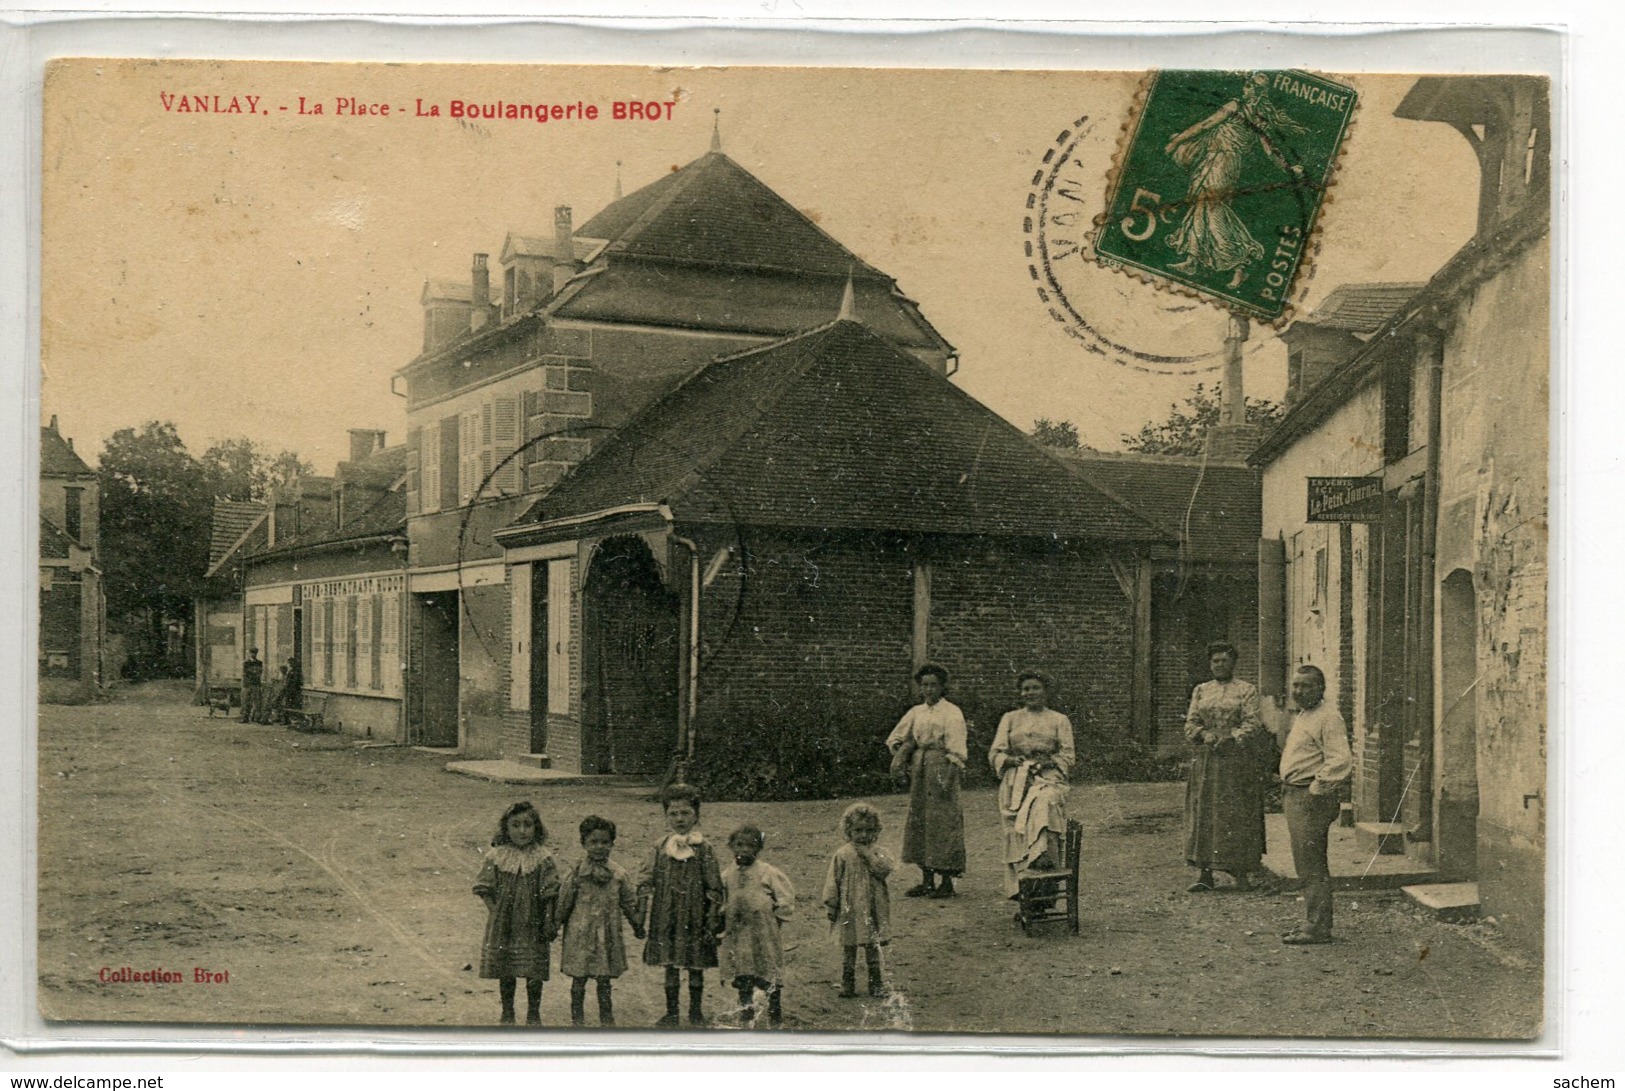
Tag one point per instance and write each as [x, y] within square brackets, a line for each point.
[754, 551]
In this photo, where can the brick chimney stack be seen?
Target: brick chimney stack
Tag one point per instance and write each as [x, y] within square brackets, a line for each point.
[481, 313]
[365, 442]
[564, 247]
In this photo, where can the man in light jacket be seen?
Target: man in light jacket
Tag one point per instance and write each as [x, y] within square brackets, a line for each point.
[1314, 764]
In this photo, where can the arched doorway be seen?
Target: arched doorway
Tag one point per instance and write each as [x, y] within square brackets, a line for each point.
[1457, 810]
[629, 661]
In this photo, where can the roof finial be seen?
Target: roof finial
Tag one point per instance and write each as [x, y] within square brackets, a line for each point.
[617, 179]
[848, 312]
[716, 129]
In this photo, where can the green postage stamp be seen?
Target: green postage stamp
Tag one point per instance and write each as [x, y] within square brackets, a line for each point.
[1219, 182]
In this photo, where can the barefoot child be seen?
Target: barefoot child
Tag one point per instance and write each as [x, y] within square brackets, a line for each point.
[682, 889]
[595, 894]
[519, 884]
[759, 899]
[856, 896]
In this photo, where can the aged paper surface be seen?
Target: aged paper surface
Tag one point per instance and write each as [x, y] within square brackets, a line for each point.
[657, 425]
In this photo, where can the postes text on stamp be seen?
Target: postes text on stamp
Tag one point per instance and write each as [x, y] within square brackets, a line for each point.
[1219, 181]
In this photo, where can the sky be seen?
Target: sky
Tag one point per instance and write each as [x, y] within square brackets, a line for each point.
[259, 274]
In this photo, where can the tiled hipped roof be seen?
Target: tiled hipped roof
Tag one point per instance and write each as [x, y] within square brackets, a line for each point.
[837, 428]
[712, 247]
[57, 459]
[713, 211]
[1215, 509]
[1362, 308]
[231, 521]
[54, 543]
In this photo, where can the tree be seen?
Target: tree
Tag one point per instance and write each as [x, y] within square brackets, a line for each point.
[156, 505]
[1062, 433]
[239, 469]
[1185, 430]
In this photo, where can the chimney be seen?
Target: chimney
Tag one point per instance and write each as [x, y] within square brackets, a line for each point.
[1232, 439]
[481, 314]
[365, 442]
[53, 422]
[564, 247]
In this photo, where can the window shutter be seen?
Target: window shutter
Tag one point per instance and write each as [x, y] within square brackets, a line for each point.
[389, 644]
[504, 444]
[449, 436]
[429, 456]
[414, 471]
[519, 649]
[318, 642]
[483, 484]
[468, 459]
[364, 638]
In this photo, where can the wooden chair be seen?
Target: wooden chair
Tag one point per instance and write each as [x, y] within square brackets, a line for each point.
[308, 719]
[221, 698]
[1052, 894]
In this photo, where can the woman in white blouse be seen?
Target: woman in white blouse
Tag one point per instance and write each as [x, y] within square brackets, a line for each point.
[1033, 755]
[928, 750]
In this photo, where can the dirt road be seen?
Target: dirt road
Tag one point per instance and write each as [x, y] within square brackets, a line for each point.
[330, 883]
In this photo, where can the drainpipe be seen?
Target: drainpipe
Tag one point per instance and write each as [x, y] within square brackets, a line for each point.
[1433, 345]
[687, 713]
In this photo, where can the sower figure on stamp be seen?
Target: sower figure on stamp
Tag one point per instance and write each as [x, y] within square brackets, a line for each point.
[1210, 235]
[253, 687]
[1314, 764]
[928, 751]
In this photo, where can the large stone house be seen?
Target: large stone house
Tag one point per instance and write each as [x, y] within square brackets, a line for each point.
[73, 607]
[691, 481]
[1419, 582]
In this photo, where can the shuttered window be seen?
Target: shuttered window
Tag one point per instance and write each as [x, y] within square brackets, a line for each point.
[505, 436]
[321, 661]
[429, 469]
[414, 471]
[366, 664]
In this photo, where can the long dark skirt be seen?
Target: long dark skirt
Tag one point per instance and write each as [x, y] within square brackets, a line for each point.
[935, 834]
[1224, 810]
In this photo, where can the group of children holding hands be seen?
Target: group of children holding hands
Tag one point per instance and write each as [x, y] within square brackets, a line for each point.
[693, 914]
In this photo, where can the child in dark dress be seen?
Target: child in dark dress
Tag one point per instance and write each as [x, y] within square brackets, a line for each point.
[519, 884]
[681, 887]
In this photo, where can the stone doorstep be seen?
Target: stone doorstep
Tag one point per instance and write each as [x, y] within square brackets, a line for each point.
[1353, 867]
[540, 761]
[1446, 901]
[514, 772]
[1384, 838]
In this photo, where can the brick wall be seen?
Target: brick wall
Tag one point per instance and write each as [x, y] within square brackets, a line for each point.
[806, 657]
[808, 649]
[998, 608]
[1188, 614]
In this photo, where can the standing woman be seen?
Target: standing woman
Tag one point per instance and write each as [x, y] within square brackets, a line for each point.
[1224, 797]
[928, 749]
[1033, 755]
